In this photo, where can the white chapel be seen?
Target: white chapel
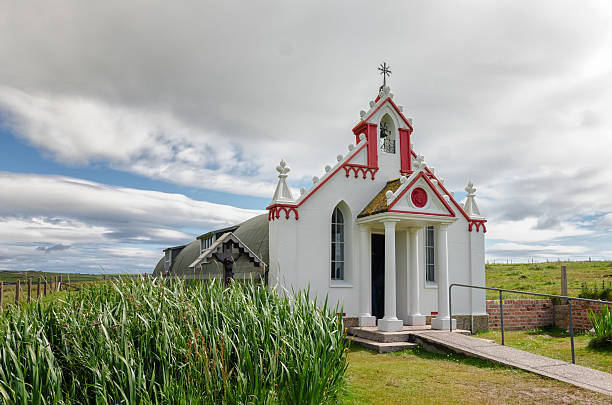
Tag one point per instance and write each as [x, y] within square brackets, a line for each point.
[379, 233]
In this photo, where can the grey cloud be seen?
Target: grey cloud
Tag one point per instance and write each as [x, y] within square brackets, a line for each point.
[507, 94]
[54, 248]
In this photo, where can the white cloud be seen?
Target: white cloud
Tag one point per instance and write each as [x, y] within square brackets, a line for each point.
[505, 93]
[115, 227]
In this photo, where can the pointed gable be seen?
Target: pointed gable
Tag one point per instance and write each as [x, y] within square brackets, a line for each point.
[421, 196]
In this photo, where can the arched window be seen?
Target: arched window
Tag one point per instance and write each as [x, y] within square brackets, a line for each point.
[337, 245]
[387, 134]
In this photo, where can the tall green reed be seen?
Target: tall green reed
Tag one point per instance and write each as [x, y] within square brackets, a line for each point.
[147, 341]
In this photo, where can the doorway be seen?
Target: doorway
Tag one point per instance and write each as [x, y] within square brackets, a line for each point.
[378, 276]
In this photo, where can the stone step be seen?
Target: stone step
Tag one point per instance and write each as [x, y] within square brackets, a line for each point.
[375, 335]
[381, 347]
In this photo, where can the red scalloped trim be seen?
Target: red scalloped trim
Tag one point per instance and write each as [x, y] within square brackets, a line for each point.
[478, 224]
[357, 169]
[274, 211]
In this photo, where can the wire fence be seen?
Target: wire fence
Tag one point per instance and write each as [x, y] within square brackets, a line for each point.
[550, 259]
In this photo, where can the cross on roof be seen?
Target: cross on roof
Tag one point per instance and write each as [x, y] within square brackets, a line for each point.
[384, 70]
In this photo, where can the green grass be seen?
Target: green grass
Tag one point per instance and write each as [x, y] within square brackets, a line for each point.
[544, 277]
[418, 377]
[142, 342]
[10, 276]
[555, 343]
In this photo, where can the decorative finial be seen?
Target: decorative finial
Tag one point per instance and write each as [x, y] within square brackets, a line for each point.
[470, 206]
[384, 70]
[419, 162]
[283, 169]
[282, 192]
[470, 189]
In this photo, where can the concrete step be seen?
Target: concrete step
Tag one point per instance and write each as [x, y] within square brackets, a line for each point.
[375, 335]
[380, 347]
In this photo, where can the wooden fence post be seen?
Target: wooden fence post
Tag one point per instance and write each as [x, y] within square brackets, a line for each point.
[59, 284]
[29, 289]
[17, 291]
[38, 289]
[564, 280]
[1, 293]
[45, 292]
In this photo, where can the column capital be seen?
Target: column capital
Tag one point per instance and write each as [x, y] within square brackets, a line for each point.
[390, 223]
[442, 226]
[364, 228]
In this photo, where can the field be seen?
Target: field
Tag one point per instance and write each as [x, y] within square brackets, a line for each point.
[544, 277]
[74, 279]
[9, 276]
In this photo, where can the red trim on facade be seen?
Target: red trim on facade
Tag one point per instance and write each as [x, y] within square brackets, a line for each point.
[379, 107]
[405, 158]
[364, 170]
[418, 197]
[423, 213]
[275, 210]
[424, 177]
[478, 223]
[370, 131]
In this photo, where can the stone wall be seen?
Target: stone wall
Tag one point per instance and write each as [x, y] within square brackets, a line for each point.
[522, 314]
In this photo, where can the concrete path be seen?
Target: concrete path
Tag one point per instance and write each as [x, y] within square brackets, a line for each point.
[583, 377]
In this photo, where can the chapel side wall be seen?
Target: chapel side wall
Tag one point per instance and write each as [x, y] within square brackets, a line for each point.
[283, 266]
[311, 249]
[478, 273]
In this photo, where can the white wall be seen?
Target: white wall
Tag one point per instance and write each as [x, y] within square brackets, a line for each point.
[300, 250]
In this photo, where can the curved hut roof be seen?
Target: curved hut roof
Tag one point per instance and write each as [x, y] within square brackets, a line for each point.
[159, 268]
[253, 233]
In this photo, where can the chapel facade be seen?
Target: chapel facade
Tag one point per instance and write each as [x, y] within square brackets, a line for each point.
[380, 233]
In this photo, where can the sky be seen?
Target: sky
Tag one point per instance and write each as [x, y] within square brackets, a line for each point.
[127, 127]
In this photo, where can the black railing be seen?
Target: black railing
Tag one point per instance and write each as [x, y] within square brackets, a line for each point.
[388, 145]
[501, 307]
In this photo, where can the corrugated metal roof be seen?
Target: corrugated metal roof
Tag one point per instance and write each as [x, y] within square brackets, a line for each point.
[253, 233]
[207, 255]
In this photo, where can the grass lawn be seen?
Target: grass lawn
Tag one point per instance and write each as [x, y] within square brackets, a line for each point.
[555, 343]
[544, 277]
[417, 377]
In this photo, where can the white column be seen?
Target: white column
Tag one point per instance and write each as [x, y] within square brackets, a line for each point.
[415, 317]
[390, 323]
[365, 278]
[442, 321]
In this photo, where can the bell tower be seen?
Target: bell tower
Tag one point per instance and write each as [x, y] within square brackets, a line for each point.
[386, 128]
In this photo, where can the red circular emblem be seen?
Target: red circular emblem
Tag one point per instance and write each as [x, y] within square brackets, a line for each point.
[419, 197]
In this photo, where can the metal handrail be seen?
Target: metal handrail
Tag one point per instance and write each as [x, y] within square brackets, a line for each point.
[501, 307]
